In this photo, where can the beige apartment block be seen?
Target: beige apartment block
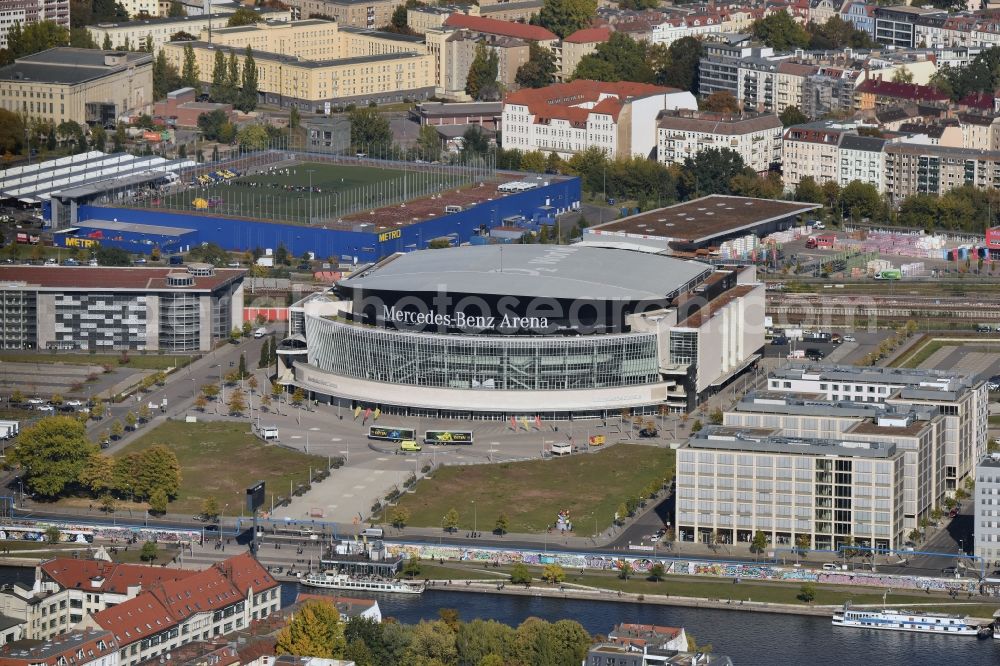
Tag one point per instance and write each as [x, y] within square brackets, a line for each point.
[313, 39]
[160, 30]
[317, 84]
[684, 134]
[349, 13]
[83, 85]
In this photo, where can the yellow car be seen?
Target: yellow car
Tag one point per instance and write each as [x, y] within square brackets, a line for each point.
[409, 445]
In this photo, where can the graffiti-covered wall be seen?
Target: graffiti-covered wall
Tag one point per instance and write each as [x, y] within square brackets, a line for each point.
[680, 567]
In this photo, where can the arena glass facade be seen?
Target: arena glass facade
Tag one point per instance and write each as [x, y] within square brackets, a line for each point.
[504, 363]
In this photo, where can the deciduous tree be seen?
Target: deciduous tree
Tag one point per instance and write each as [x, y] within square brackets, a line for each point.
[553, 573]
[792, 116]
[253, 137]
[450, 521]
[481, 82]
[210, 508]
[97, 474]
[370, 130]
[721, 101]
[677, 65]
[429, 143]
[780, 31]
[502, 524]
[148, 552]
[217, 89]
[621, 58]
[158, 470]
[564, 17]
[51, 454]
[190, 76]
[539, 71]
[158, 501]
[243, 16]
[248, 92]
[519, 574]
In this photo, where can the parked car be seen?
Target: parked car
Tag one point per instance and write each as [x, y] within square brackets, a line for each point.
[850, 338]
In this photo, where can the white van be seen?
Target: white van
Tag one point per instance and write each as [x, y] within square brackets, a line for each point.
[562, 449]
[260, 332]
[268, 433]
[372, 532]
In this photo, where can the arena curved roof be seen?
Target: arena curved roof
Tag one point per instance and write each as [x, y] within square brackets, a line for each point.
[534, 271]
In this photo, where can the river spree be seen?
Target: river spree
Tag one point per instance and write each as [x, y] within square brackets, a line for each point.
[751, 639]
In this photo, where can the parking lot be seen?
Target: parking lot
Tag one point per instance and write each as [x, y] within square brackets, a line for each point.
[847, 352]
[975, 359]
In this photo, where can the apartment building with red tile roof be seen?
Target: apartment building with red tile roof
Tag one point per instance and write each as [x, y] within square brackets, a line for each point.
[488, 26]
[876, 94]
[100, 577]
[82, 648]
[227, 597]
[566, 118]
[581, 43]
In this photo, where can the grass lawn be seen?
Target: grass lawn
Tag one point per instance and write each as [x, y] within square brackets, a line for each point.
[590, 486]
[131, 556]
[438, 572]
[921, 353]
[220, 459]
[711, 588]
[287, 197]
[136, 361]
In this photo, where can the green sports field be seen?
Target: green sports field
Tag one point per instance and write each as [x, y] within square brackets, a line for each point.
[284, 193]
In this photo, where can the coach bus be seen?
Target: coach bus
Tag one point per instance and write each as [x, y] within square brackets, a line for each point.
[448, 437]
[391, 434]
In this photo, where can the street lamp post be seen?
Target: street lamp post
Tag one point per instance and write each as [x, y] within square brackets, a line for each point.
[475, 520]
[310, 171]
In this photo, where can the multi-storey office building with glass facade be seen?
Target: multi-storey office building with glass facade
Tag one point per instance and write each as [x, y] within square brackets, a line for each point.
[176, 309]
[962, 400]
[526, 330]
[734, 482]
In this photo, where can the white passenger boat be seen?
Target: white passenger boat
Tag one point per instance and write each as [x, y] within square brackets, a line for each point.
[335, 581]
[904, 620]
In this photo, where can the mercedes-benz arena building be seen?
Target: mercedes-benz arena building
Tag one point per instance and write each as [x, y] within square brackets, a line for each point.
[526, 330]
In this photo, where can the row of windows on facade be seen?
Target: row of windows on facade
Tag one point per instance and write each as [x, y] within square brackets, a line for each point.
[747, 478]
[767, 461]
